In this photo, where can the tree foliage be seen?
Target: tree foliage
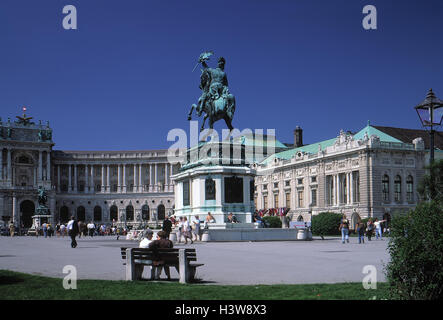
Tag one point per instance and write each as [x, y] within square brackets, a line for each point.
[415, 270]
[431, 186]
[326, 224]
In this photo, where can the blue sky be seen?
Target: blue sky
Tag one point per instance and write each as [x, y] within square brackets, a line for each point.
[124, 78]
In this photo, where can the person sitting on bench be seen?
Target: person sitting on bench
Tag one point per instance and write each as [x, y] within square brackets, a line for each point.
[161, 242]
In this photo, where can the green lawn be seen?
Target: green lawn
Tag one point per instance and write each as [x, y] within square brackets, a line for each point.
[16, 286]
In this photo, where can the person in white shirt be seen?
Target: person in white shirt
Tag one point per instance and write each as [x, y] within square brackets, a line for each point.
[91, 228]
[62, 230]
[187, 230]
[180, 230]
[147, 239]
[378, 228]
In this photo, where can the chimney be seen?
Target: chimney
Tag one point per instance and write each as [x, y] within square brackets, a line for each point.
[298, 137]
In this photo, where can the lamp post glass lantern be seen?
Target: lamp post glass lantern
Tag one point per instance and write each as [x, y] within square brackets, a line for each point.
[430, 112]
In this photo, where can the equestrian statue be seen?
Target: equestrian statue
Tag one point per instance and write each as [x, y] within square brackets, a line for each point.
[215, 101]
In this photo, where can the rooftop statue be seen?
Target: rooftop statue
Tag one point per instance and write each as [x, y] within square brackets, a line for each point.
[215, 101]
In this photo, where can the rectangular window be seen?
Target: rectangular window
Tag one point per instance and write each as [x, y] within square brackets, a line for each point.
[330, 190]
[265, 187]
[300, 181]
[300, 199]
[186, 199]
[313, 197]
[356, 186]
[276, 200]
[288, 199]
[275, 185]
[265, 202]
[313, 179]
[287, 183]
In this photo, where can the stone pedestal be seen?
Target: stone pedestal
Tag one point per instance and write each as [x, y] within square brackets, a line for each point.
[215, 178]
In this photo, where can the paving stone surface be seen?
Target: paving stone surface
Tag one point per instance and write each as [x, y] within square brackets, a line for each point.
[272, 262]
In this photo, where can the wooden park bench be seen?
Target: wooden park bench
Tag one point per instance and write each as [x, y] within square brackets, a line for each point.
[183, 260]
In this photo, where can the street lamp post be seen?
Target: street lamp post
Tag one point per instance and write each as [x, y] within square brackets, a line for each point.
[430, 112]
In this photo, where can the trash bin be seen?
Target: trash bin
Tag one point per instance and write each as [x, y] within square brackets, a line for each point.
[301, 234]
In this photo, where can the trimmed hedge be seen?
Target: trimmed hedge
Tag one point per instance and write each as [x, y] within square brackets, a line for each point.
[272, 222]
[326, 224]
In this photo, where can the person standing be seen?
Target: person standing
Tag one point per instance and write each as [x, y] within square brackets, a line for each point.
[344, 228]
[91, 229]
[11, 229]
[361, 232]
[167, 226]
[180, 229]
[187, 230]
[45, 229]
[62, 230]
[196, 228]
[73, 230]
[369, 229]
[378, 228]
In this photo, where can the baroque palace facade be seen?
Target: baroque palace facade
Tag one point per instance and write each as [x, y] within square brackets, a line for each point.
[130, 187]
[371, 173]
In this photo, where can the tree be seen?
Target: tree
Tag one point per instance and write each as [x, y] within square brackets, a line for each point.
[431, 186]
[326, 224]
[415, 270]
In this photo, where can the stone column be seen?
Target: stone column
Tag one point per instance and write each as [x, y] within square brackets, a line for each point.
[124, 178]
[75, 178]
[14, 211]
[166, 177]
[92, 189]
[69, 178]
[119, 180]
[58, 178]
[140, 178]
[108, 182]
[156, 178]
[351, 182]
[48, 166]
[9, 166]
[86, 179]
[1, 163]
[135, 187]
[151, 182]
[103, 179]
[348, 189]
[40, 166]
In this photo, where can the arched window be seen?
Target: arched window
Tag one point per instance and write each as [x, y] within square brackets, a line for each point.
[113, 213]
[385, 188]
[64, 214]
[161, 212]
[81, 216]
[397, 188]
[129, 213]
[410, 189]
[97, 213]
[145, 212]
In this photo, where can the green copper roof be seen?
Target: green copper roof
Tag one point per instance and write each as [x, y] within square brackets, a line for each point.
[371, 130]
[313, 148]
[258, 140]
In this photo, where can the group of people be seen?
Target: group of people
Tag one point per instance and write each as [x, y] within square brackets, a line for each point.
[362, 229]
[60, 230]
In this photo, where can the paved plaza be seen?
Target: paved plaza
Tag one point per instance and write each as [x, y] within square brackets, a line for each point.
[233, 263]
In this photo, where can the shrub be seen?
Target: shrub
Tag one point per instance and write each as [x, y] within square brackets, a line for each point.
[326, 224]
[415, 270]
[272, 222]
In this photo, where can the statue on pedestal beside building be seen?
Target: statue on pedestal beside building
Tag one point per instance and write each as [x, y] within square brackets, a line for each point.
[216, 101]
